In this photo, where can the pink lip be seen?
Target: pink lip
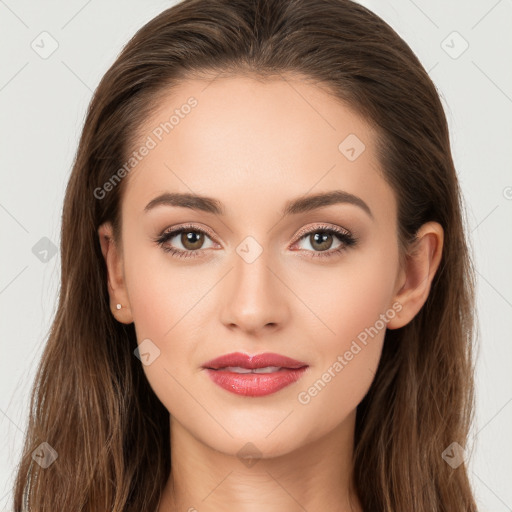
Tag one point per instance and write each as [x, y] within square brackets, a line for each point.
[254, 384]
[252, 362]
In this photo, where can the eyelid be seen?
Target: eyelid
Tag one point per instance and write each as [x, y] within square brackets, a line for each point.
[309, 229]
[191, 227]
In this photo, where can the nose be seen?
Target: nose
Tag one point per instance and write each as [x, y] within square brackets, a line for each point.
[254, 296]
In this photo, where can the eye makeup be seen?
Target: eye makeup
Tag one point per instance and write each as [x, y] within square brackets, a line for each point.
[346, 239]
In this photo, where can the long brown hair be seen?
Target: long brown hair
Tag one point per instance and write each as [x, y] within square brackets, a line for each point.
[91, 401]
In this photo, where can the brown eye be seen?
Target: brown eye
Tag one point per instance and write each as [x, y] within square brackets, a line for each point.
[321, 240]
[192, 240]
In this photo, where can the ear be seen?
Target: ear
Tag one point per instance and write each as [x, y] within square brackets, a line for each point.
[415, 279]
[115, 274]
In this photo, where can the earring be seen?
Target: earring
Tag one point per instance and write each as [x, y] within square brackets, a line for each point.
[119, 306]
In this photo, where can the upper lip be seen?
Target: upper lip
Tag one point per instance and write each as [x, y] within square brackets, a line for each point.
[251, 362]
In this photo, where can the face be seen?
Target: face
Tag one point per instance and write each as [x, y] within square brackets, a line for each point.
[316, 283]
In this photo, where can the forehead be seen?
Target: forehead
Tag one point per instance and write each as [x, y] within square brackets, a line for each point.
[250, 142]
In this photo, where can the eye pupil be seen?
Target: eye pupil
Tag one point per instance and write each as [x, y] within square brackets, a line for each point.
[321, 238]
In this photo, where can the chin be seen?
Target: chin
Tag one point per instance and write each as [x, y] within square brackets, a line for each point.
[251, 448]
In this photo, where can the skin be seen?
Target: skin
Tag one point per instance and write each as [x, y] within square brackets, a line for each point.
[254, 145]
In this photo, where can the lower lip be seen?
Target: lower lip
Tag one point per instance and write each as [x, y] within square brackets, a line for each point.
[255, 384]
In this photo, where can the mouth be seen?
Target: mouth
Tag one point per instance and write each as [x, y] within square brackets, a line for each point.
[254, 376]
[268, 362]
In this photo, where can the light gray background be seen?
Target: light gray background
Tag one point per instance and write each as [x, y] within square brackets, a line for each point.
[43, 102]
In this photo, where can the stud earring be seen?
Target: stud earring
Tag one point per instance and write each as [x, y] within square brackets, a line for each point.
[119, 306]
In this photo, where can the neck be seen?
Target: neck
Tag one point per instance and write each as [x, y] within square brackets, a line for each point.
[316, 476]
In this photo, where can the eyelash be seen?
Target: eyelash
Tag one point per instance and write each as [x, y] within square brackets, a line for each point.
[344, 237]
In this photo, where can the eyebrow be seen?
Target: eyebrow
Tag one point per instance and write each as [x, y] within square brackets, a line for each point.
[292, 207]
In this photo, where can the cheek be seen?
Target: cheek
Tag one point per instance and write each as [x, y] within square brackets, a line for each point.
[162, 301]
[169, 304]
[353, 304]
[348, 297]
[161, 292]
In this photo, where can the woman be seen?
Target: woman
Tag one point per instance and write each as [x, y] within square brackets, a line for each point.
[267, 296]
